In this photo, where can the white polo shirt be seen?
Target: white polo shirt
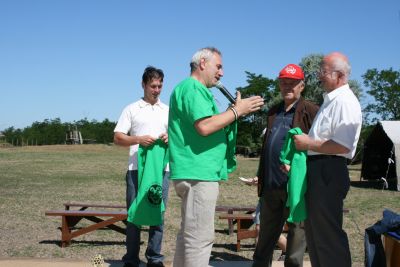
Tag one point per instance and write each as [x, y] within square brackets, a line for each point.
[142, 118]
[339, 119]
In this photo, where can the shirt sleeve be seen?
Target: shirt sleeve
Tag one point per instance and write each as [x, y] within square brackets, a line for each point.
[198, 104]
[346, 124]
[124, 123]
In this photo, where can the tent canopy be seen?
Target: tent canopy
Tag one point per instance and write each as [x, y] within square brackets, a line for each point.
[381, 157]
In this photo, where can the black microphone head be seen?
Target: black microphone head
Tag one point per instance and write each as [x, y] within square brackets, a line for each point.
[225, 92]
[219, 85]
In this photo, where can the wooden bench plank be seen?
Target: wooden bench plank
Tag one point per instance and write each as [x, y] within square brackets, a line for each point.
[230, 209]
[85, 213]
[219, 208]
[67, 205]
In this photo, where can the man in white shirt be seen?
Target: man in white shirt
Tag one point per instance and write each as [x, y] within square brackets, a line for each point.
[331, 141]
[142, 123]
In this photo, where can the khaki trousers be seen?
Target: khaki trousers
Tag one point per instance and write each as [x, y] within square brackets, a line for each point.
[196, 235]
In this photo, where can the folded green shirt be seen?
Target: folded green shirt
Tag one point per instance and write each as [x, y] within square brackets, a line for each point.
[297, 183]
[148, 206]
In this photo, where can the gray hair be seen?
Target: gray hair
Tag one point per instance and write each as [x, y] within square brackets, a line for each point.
[342, 65]
[205, 53]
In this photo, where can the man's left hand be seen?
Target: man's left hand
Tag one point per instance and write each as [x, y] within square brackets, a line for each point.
[164, 137]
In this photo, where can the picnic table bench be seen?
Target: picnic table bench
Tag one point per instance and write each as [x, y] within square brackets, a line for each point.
[243, 223]
[100, 218]
[110, 214]
[231, 210]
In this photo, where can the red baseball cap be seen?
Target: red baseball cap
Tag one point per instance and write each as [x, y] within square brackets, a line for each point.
[292, 71]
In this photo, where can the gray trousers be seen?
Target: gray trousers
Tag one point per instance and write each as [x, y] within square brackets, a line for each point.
[273, 215]
[328, 184]
[196, 235]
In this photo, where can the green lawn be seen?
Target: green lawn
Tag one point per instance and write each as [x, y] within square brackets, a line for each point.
[35, 179]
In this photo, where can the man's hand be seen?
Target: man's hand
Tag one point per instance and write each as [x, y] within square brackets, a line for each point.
[285, 168]
[249, 181]
[146, 140]
[164, 137]
[302, 141]
[247, 105]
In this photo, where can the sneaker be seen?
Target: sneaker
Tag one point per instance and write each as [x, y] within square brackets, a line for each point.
[127, 264]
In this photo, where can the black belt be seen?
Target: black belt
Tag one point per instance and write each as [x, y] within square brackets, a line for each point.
[322, 156]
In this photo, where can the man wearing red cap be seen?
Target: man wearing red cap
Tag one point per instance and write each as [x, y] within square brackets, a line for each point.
[292, 112]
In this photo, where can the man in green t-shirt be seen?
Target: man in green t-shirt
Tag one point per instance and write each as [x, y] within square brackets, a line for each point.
[198, 146]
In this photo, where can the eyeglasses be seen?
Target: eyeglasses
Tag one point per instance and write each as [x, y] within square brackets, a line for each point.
[322, 72]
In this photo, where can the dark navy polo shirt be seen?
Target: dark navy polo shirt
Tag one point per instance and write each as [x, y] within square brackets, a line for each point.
[274, 177]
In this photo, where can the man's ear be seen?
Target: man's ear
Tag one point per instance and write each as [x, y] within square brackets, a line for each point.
[202, 64]
[303, 85]
[143, 85]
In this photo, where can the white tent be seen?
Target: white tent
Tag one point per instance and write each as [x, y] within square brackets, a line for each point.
[381, 157]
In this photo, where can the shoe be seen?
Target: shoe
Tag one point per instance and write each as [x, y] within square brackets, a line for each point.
[282, 257]
[155, 264]
[127, 264]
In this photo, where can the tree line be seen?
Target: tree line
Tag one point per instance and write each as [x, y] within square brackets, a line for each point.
[383, 86]
[53, 132]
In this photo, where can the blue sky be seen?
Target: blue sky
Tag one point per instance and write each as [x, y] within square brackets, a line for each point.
[73, 59]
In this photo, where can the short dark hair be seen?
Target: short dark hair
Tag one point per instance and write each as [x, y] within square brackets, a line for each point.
[152, 73]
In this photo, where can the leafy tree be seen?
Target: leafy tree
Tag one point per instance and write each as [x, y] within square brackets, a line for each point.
[12, 135]
[48, 132]
[384, 86]
[250, 127]
[312, 90]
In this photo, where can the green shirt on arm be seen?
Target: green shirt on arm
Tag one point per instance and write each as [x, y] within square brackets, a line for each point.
[192, 156]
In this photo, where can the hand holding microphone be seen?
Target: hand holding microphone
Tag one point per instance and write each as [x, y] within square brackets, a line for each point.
[242, 106]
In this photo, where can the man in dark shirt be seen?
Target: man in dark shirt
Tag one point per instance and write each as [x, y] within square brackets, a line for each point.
[292, 112]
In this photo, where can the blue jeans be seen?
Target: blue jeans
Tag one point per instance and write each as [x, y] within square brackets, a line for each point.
[153, 251]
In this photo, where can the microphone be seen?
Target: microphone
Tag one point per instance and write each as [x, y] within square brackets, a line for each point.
[225, 92]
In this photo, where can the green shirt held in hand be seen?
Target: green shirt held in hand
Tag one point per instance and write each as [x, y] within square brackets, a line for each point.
[148, 206]
[297, 183]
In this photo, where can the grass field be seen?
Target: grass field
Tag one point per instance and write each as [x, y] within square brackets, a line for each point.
[35, 179]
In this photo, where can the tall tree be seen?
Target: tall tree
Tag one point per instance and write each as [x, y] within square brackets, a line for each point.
[312, 90]
[384, 87]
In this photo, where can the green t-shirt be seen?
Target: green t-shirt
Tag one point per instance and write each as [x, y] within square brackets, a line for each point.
[193, 156]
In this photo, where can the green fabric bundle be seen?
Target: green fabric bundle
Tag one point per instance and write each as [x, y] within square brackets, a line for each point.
[297, 184]
[148, 206]
[231, 132]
